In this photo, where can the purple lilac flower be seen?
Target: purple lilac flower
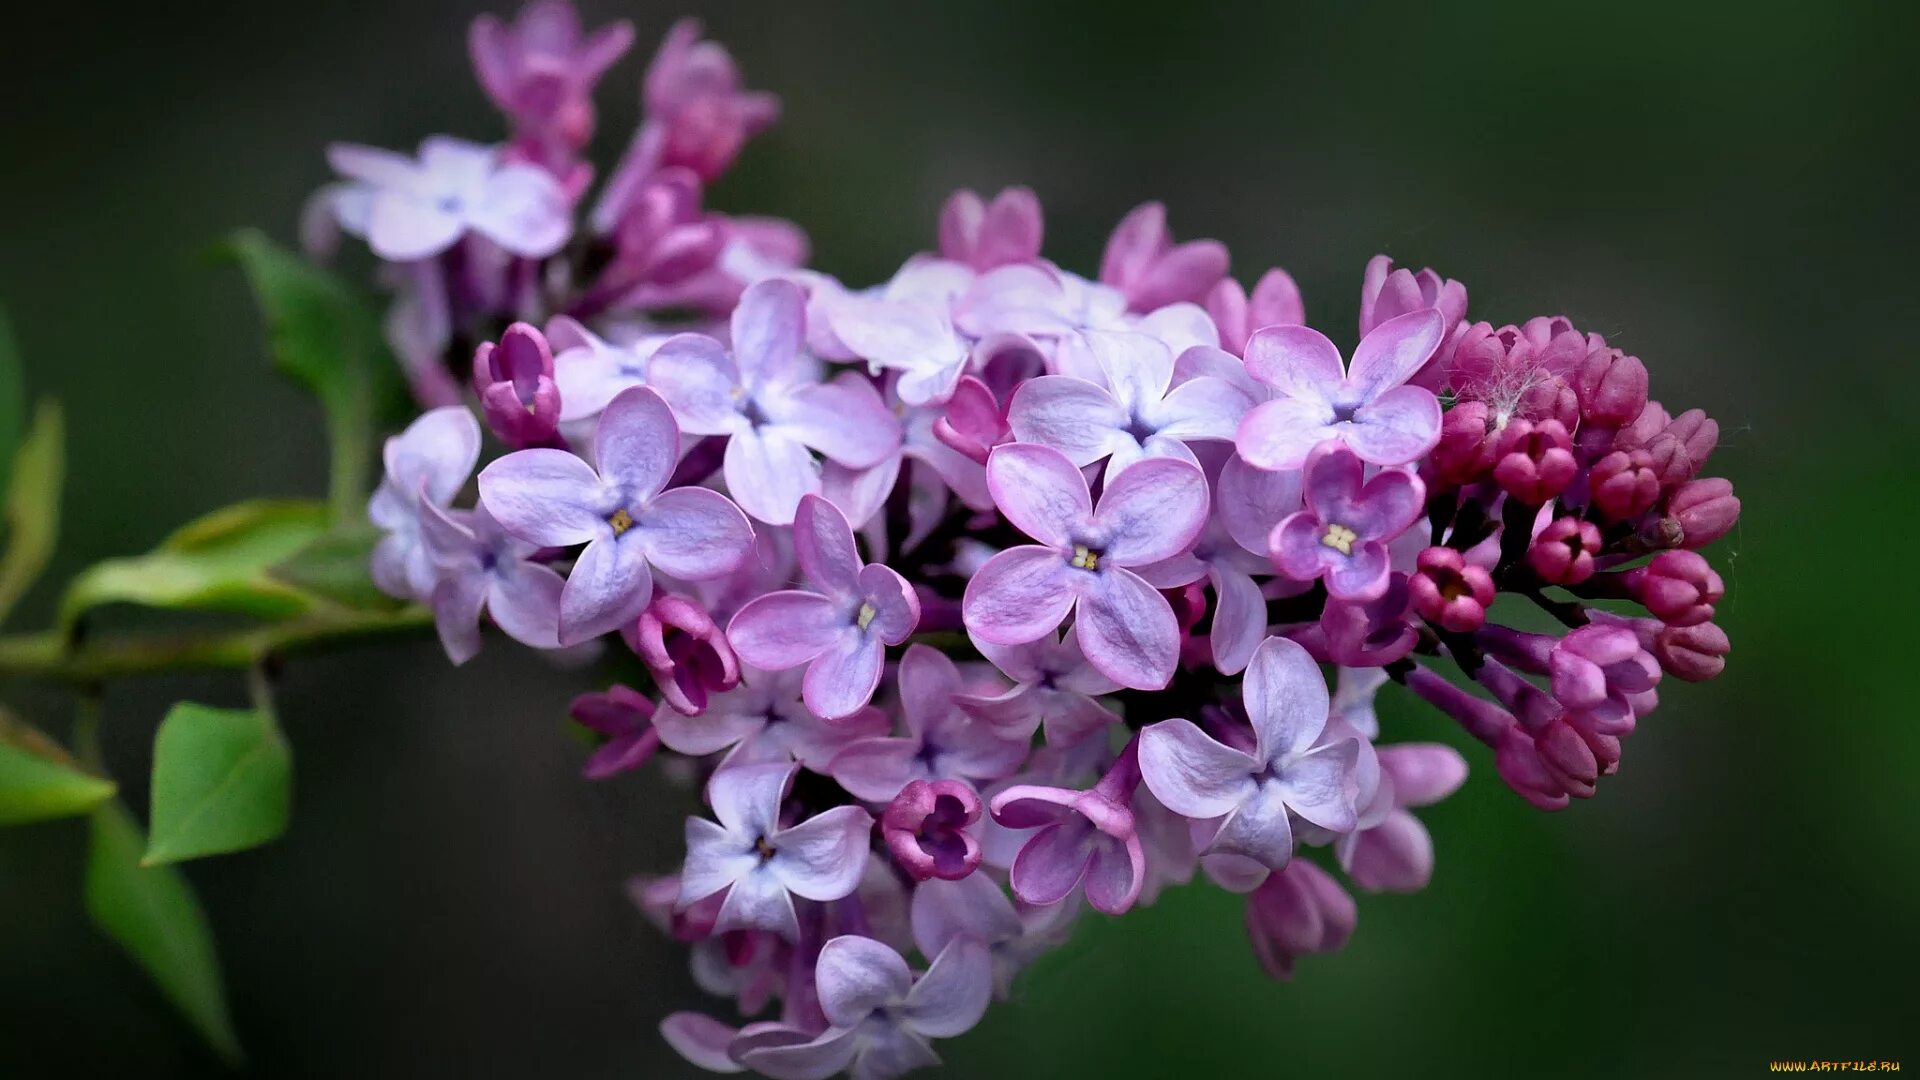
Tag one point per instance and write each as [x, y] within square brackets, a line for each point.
[1084, 562]
[478, 567]
[1342, 535]
[409, 210]
[1079, 836]
[620, 511]
[625, 717]
[515, 383]
[840, 632]
[975, 908]
[685, 650]
[763, 719]
[1275, 301]
[426, 464]
[984, 235]
[762, 865]
[881, 1018]
[1054, 684]
[941, 742]
[1289, 770]
[926, 828]
[541, 72]
[1144, 263]
[767, 399]
[1390, 850]
[1297, 911]
[1367, 406]
[1138, 413]
[589, 372]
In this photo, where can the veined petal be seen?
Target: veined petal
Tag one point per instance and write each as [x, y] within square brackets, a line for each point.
[1053, 861]
[1285, 696]
[608, 587]
[1258, 828]
[1191, 773]
[1279, 434]
[698, 380]
[785, 629]
[637, 443]
[828, 1053]
[524, 211]
[1251, 501]
[746, 799]
[1239, 619]
[1297, 361]
[1116, 874]
[1395, 350]
[857, 975]
[1139, 369]
[1128, 630]
[525, 603]
[1319, 785]
[769, 328]
[1019, 596]
[1395, 428]
[952, 995]
[1152, 511]
[823, 857]
[767, 472]
[823, 544]
[844, 676]
[1071, 415]
[896, 607]
[875, 769]
[545, 496]
[758, 901]
[693, 534]
[844, 419]
[1040, 491]
[1202, 408]
[456, 613]
[716, 859]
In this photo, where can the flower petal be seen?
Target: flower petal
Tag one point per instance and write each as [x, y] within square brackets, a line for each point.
[433, 457]
[896, 607]
[1020, 595]
[524, 211]
[1320, 785]
[767, 472]
[1152, 511]
[823, 544]
[1239, 619]
[1116, 875]
[716, 858]
[525, 603]
[1395, 350]
[1053, 861]
[608, 587]
[1128, 630]
[875, 769]
[1190, 772]
[1258, 828]
[544, 496]
[637, 443]
[1285, 697]
[952, 995]
[758, 901]
[1298, 361]
[845, 674]
[844, 419]
[1395, 428]
[828, 1053]
[1203, 408]
[785, 629]
[1073, 416]
[694, 534]
[1040, 492]
[1138, 368]
[698, 380]
[769, 328]
[456, 614]
[857, 975]
[1279, 434]
[823, 857]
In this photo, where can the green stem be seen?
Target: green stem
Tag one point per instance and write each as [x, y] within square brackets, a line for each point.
[47, 656]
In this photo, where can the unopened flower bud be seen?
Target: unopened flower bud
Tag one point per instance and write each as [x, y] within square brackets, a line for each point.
[1563, 552]
[514, 380]
[1623, 484]
[686, 651]
[1679, 588]
[1679, 452]
[1612, 387]
[1694, 653]
[1705, 510]
[1634, 436]
[1451, 592]
[1466, 451]
[926, 828]
[1535, 461]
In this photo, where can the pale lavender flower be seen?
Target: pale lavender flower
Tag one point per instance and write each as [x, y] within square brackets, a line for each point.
[1080, 836]
[1085, 559]
[840, 632]
[881, 1018]
[1144, 263]
[1344, 532]
[1390, 850]
[1297, 911]
[427, 463]
[762, 865]
[1054, 684]
[905, 325]
[975, 908]
[1366, 406]
[625, 717]
[1289, 771]
[620, 511]
[590, 371]
[1138, 413]
[408, 210]
[762, 720]
[767, 399]
[480, 566]
[942, 743]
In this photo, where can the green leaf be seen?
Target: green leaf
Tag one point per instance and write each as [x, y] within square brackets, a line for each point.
[222, 781]
[220, 562]
[338, 567]
[324, 335]
[40, 780]
[12, 400]
[152, 913]
[33, 505]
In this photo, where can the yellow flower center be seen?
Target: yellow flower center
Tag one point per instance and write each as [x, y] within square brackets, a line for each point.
[1340, 538]
[620, 520]
[1085, 557]
[866, 615]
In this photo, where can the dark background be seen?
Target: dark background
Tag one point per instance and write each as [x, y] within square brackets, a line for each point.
[1725, 190]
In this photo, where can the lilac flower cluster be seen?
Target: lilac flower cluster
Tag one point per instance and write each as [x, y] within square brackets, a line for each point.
[993, 592]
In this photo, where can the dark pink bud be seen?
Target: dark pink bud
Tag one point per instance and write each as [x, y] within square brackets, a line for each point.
[514, 380]
[1466, 451]
[1449, 591]
[925, 826]
[1563, 552]
[1679, 452]
[686, 651]
[974, 423]
[1612, 387]
[1568, 759]
[1535, 461]
[1694, 653]
[1678, 587]
[1550, 399]
[1705, 511]
[1623, 484]
[1651, 421]
[1518, 762]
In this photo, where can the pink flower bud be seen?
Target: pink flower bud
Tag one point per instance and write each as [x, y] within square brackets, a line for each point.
[1563, 552]
[1568, 759]
[1535, 461]
[1678, 587]
[686, 651]
[514, 381]
[985, 235]
[1694, 653]
[1298, 910]
[1612, 387]
[1705, 510]
[974, 422]
[1679, 451]
[1466, 451]
[925, 826]
[1623, 484]
[1449, 591]
[1652, 421]
[1518, 762]
[1550, 399]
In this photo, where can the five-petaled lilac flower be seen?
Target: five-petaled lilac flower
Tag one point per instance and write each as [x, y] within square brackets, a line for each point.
[1368, 406]
[481, 566]
[1054, 684]
[625, 717]
[1081, 835]
[768, 400]
[1201, 778]
[409, 210]
[763, 720]
[427, 463]
[1083, 563]
[762, 865]
[881, 1018]
[1343, 533]
[621, 512]
[842, 631]
[1139, 413]
[941, 741]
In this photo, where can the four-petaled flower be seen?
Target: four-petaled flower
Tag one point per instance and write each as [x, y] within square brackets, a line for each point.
[621, 512]
[1201, 778]
[1343, 533]
[1083, 563]
[1368, 406]
[481, 566]
[841, 632]
[941, 741]
[1054, 684]
[767, 398]
[1080, 835]
[427, 463]
[1139, 413]
[409, 210]
[762, 865]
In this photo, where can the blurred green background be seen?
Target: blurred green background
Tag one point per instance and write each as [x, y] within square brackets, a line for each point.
[1725, 190]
